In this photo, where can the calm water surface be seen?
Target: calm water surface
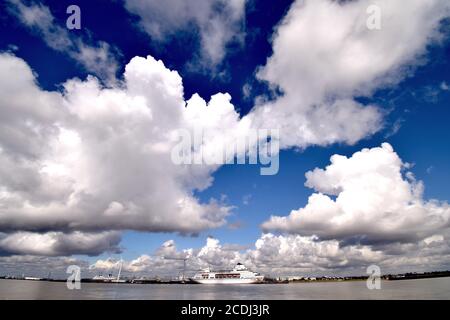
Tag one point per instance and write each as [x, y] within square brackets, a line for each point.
[438, 288]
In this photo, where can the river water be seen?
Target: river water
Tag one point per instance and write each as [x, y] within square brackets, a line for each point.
[438, 288]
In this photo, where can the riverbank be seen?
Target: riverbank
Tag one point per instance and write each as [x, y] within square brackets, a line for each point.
[412, 289]
[281, 280]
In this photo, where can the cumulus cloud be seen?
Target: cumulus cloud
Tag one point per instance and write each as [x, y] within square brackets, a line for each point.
[168, 250]
[324, 56]
[376, 202]
[271, 254]
[367, 209]
[304, 255]
[92, 158]
[59, 244]
[38, 266]
[168, 260]
[98, 58]
[297, 254]
[275, 255]
[218, 22]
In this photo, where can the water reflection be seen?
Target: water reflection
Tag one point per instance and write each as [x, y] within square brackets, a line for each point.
[438, 288]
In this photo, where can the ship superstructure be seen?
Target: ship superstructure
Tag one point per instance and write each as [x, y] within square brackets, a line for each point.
[238, 275]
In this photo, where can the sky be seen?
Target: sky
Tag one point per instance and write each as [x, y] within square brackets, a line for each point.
[89, 118]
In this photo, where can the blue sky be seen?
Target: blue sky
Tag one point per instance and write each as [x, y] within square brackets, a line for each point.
[416, 110]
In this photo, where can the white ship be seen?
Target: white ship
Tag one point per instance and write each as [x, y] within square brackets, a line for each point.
[239, 275]
[110, 277]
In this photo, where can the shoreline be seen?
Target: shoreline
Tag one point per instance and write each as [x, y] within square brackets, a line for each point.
[402, 277]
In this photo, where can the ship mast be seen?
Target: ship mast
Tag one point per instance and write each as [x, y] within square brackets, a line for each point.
[120, 269]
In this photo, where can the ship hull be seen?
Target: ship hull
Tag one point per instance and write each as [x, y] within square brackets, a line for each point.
[227, 281]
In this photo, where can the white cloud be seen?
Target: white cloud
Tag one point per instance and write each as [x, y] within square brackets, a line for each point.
[375, 202]
[100, 159]
[29, 265]
[168, 250]
[59, 244]
[340, 121]
[168, 260]
[296, 254]
[98, 58]
[324, 56]
[214, 254]
[271, 254]
[92, 159]
[275, 255]
[218, 22]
